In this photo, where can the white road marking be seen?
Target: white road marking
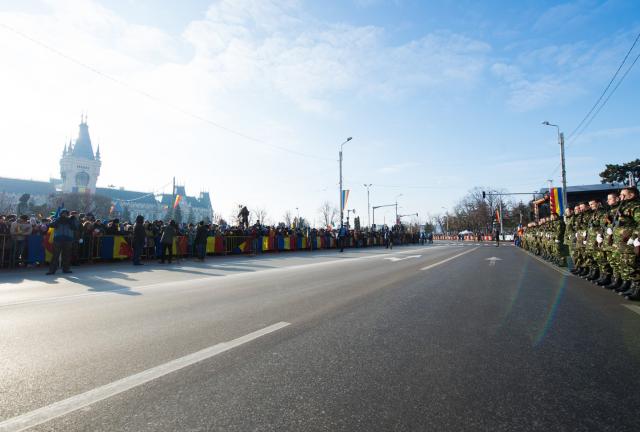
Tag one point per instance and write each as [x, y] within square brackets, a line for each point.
[74, 403]
[395, 259]
[448, 259]
[633, 308]
[492, 261]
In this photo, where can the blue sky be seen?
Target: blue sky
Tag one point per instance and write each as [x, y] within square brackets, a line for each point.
[439, 96]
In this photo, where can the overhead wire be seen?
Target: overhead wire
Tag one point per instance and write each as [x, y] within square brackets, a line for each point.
[606, 88]
[157, 99]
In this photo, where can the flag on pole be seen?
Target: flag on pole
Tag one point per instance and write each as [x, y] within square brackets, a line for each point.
[556, 201]
[345, 198]
[497, 216]
[177, 201]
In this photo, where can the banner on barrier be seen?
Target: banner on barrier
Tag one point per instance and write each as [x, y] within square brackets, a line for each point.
[121, 248]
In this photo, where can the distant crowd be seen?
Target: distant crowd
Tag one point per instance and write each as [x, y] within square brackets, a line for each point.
[74, 234]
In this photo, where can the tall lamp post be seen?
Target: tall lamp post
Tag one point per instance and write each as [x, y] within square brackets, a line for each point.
[368, 205]
[564, 172]
[341, 205]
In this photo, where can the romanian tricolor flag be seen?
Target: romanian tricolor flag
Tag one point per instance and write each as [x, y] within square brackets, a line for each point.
[556, 201]
[180, 246]
[215, 245]
[268, 243]
[176, 203]
[243, 247]
[345, 198]
[121, 249]
[47, 244]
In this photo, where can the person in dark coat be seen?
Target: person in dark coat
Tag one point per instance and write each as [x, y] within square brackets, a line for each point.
[64, 232]
[139, 236]
[166, 241]
[202, 232]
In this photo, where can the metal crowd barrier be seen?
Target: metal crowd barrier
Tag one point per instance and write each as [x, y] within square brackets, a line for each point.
[92, 248]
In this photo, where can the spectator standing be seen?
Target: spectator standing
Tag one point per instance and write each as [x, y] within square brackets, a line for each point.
[64, 231]
[166, 241]
[139, 236]
[20, 229]
[202, 233]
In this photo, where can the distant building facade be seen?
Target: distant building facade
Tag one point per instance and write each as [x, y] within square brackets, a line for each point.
[79, 172]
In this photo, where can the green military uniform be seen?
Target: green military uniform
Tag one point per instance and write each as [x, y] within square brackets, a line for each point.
[557, 238]
[625, 234]
[570, 237]
[594, 240]
[580, 241]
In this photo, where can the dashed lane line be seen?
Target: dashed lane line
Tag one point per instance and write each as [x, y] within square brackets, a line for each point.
[447, 259]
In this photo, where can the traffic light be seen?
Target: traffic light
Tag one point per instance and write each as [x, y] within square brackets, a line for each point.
[484, 195]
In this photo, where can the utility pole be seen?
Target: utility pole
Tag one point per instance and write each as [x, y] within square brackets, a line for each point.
[368, 205]
[341, 203]
[397, 208]
[564, 172]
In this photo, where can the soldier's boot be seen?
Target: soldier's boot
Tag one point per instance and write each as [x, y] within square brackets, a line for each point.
[604, 280]
[594, 275]
[634, 293]
[615, 283]
[562, 261]
[624, 289]
[584, 272]
[575, 270]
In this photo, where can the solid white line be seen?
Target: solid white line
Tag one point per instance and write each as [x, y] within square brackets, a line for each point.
[633, 308]
[448, 259]
[74, 403]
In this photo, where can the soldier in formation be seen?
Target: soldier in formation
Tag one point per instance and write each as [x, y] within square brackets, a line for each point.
[603, 241]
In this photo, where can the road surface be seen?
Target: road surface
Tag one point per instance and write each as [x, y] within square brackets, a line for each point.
[440, 337]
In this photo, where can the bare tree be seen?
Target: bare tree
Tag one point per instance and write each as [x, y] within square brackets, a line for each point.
[328, 213]
[261, 215]
[288, 218]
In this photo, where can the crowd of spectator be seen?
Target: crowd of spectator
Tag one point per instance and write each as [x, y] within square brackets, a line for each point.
[153, 238]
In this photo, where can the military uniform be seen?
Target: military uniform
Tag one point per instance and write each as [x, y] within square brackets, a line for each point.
[581, 241]
[625, 239]
[570, 237]
[594, 240]
[557, 238]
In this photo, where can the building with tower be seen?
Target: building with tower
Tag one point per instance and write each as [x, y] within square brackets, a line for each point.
[79, 166]
[79, 172]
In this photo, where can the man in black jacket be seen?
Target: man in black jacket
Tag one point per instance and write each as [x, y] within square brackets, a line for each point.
[202, 232]
[139, 236]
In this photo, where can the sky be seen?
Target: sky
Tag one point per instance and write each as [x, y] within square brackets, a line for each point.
[251, 99]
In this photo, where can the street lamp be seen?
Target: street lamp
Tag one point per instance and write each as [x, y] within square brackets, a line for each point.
[368, 205]
[341, 206]
[564, 172]
[350, 211]
[396, 200]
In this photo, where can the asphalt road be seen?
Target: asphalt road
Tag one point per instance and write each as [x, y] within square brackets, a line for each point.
[444, 337]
